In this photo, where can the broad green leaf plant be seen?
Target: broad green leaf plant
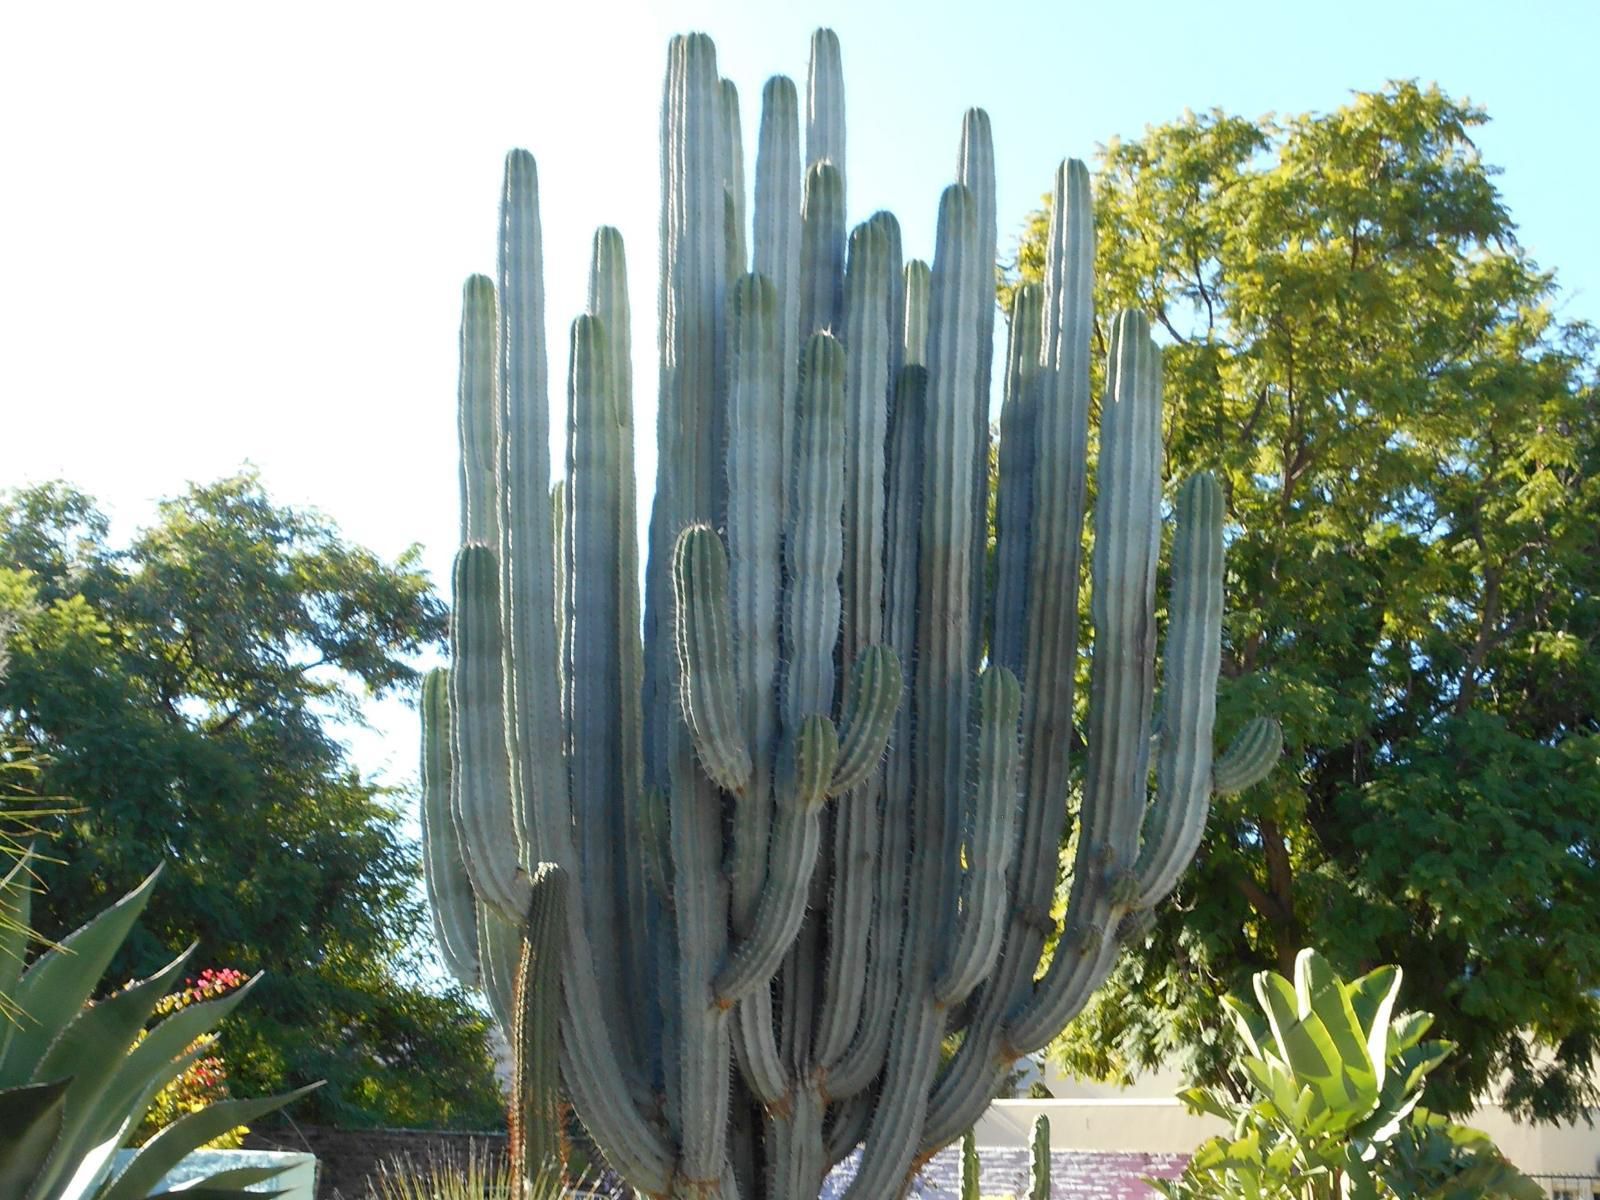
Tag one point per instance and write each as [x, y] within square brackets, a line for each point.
[1335, 1079]
[76, 1076]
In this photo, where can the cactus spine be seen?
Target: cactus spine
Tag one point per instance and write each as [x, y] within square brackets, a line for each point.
[810, 820]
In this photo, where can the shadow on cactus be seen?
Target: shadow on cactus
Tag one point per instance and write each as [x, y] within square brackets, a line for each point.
[76, 1075]
[1335, 1080]
[811, 817]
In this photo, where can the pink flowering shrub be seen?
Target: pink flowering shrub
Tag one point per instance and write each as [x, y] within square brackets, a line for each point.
[205, 1081]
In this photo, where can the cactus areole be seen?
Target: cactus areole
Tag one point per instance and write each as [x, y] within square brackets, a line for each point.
[810, 800]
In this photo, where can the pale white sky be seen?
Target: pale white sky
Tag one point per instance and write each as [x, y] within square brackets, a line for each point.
[237, 232]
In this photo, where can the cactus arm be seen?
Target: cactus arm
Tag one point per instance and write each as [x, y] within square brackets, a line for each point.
[825, 104]
[480, 522]
[691, 341]
[814, 554]
[755, 464]
[822, 247]
[775, 252]
[760, 1063]
[1191, 661]
[1122, 684]
[918, 279]
[608, 300]
[943, 675]
[1050, 608]
[707, 668]
[480, 788]
[1249, 759]
[850, 1073]
[600, 642]
[872, 700]
[866, 415]
[527, 551]
[894, 248]
[538, 1141]
[600, 1086]
[1014, 503]
[847, 1125]
[814, 548]
[561, 539]
[455, 922]
[975, 171]
[940, 692]
[733, 180]
[976, 944]
[969, 1167]
[805, 769]
[691, 482]
[856, 830]
[797, 1149]
[1051, 604]
[499, 943]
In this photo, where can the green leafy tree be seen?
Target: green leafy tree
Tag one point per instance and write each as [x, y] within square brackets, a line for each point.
[188, 691]
[1409, 441]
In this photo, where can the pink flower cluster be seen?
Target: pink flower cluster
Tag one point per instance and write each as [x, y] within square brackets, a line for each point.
[209, 985]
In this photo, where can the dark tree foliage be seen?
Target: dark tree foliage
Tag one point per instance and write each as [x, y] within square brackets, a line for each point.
[1410, 445]
[187, 692]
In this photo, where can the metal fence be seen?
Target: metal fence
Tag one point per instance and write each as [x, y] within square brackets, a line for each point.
[1570, 1187]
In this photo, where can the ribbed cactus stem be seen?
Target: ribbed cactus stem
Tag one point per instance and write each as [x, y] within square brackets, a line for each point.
[918, 279]
[480, 522]
[1122, 681]
[1192, 661]
[1039, 1182]
[976, 945]
[1018, 453]
[538, 1127]
[970, 1167]
[756, 467]
[975, 172]
[825, 103]
[822, 251]
[1250, 758]
[733, 180]
[775, 250]
[707, 669]
[480, 783]
[450, 899]
[872, 700]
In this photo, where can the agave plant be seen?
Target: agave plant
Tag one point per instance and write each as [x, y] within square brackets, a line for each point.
[76, 1076]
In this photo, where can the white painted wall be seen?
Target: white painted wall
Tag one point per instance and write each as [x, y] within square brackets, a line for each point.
[1148, 1117]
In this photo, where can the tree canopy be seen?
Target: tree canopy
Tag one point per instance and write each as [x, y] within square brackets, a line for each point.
[186, 692]
[1408, 439]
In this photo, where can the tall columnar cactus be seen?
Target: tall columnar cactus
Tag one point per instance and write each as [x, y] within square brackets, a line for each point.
[774, 923]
